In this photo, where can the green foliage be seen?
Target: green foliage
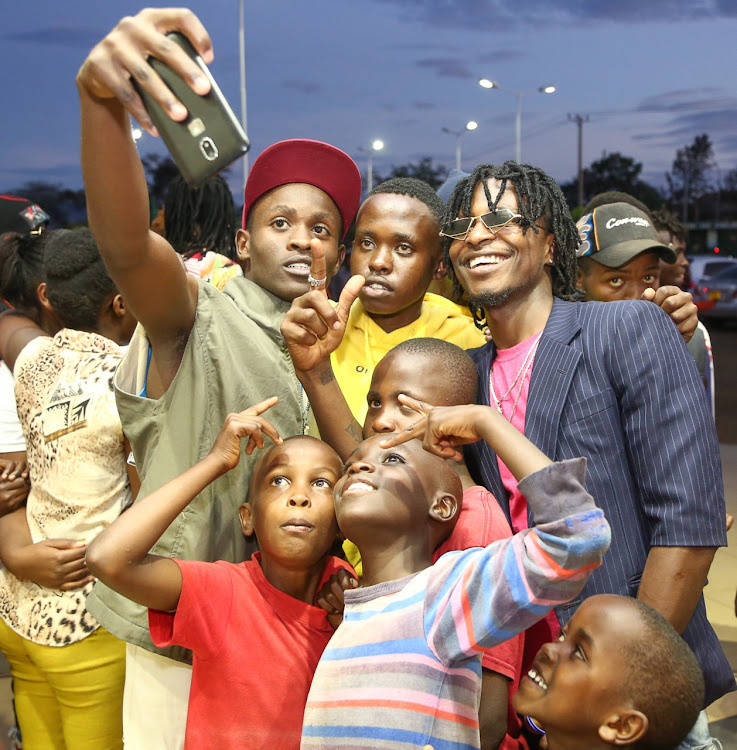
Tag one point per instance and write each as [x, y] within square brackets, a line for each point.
[690, 175]
[433, 174]
[613, 171]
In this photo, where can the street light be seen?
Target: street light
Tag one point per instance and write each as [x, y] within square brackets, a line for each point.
[376, 145]
[470, 125]
[242, 67]
[487, 83]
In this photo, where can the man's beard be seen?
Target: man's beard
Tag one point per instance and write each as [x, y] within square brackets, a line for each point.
[490, 300]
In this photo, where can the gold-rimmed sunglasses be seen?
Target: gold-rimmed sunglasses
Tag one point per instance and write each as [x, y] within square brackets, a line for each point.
[500, 221]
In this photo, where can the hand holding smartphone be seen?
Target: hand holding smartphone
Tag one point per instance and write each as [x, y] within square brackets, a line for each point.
[210, 138]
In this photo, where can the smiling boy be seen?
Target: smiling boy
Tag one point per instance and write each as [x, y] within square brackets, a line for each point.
[602, 683]
[405, 664]
[195, 347]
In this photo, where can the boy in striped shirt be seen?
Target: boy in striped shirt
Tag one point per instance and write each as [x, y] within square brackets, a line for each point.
[404, 668]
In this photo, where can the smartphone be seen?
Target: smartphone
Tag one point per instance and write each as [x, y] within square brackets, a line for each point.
[211, 137]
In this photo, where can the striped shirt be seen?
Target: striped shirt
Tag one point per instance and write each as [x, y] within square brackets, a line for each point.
[404, 668]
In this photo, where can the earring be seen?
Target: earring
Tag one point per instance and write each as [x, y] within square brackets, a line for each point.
[551, 261]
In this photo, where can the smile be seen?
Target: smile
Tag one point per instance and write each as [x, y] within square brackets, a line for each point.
[357, 487]
[537, 678]
[485, 260]
[299, 267]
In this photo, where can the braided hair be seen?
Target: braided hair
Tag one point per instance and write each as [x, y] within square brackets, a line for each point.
[200, 218]
[539, 197]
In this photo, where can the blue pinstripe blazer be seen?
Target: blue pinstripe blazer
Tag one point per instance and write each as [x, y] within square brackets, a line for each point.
[614, 382]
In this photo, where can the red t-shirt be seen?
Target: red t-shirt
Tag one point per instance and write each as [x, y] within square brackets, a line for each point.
[481, 523]
[255, 652]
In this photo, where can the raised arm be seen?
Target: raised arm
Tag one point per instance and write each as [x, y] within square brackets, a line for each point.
[313, 330]
[120, 557]
[444, 428]
[142, 264]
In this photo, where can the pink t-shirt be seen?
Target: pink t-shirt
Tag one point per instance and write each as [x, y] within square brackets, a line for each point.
[505, 369]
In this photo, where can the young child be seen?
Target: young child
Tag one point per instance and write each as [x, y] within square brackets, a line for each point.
[241, 697]
[619, 675]
[481, 520]
[397, 251]
[405, 664]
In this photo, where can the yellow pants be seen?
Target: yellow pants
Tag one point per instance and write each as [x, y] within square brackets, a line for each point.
[68, 697]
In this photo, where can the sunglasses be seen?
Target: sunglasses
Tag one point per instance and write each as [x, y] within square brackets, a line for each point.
[494, 221]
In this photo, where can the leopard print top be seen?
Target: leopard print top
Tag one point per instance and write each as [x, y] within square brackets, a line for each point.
[79, 483]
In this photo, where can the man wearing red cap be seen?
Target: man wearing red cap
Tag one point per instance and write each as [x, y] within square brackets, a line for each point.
[198, 354]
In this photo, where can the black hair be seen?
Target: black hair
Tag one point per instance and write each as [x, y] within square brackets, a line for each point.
[615, 196]
[414, 188]
[22, 269]
[451, 366]
[671, 705]
[200, 218]
[665, 221]
[539, 197]
[77, 283]
[256, 474]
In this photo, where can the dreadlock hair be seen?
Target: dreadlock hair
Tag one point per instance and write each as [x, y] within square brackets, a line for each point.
[200, 218]
[414, 188]
[77, 283]
[22, 270]
[539, 197]
[665, 221]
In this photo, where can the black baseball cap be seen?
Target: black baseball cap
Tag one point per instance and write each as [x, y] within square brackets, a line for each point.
[615, 233]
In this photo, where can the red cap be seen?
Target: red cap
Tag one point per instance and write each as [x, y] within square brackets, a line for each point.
[312, 162]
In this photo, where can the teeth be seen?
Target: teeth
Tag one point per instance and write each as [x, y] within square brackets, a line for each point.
[360, 487]
[301, 266]
[537, 679]
[484, 260]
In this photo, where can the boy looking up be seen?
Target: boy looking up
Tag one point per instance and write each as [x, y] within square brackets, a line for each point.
[405, 664]
[404, 371]
[397, 251]
[196, 346]
[603, 683]
[241, 697]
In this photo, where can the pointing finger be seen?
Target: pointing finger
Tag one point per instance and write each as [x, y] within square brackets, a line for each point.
[349, 295]
[416, 430]
[421, 407]
[319, 267]
[261, 407]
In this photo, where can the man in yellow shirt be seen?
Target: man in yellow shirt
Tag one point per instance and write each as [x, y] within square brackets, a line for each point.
[397, 250]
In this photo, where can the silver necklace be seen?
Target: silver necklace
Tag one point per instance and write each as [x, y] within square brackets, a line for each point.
[519, 378]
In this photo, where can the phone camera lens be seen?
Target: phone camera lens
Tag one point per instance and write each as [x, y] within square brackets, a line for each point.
[208, 148]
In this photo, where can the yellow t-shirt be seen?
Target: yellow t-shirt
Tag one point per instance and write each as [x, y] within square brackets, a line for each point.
[365, 343]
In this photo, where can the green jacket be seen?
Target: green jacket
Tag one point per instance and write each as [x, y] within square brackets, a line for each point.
[234, 358]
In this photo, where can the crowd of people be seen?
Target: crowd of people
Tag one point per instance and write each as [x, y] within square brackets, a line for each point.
[238, 513]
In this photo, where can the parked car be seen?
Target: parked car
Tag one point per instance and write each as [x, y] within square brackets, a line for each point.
[716, 297]
[703, 267]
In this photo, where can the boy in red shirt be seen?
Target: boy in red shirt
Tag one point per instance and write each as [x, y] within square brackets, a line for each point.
[241, 697]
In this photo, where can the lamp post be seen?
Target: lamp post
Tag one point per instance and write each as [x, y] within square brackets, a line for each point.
[487, 83]
[376, 145]
[242, 61]
[470, 125]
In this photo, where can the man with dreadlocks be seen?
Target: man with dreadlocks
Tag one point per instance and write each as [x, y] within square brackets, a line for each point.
[199, 223]
[609, 381]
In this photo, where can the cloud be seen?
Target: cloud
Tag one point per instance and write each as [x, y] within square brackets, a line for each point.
[303, 87]
[681, 130]
[59, 36]
[687, 100]
[498, 14]
[423, 106]
[446, 67]
[500, 56]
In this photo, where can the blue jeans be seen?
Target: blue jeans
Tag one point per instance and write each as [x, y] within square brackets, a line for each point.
[699, 738]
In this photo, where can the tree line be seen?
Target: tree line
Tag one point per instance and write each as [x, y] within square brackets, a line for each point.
[695, 189]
